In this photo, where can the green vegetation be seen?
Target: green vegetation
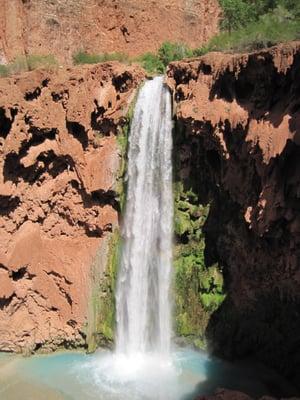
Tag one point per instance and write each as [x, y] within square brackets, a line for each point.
[236, 13]
[35, 61]
[28, 63]
[256, 24]
[172, 52]
[151, 62]
[101, 326]
[83, 57]
[4, 71]
[198, 288]
[100, 331]
[122, 139]
[246, 25]
[157, 63]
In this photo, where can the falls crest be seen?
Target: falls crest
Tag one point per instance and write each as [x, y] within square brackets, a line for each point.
[142, 299]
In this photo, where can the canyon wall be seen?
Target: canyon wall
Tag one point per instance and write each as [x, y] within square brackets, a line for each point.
[238, 139]
[61, 149]
[63, 27]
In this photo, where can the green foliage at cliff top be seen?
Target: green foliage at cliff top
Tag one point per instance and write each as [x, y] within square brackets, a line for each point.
[239, 13]
[153, 63]
[255, 24]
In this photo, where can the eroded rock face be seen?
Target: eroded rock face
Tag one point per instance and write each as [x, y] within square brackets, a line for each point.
[59, 166]
[63, 27]
[239, 116]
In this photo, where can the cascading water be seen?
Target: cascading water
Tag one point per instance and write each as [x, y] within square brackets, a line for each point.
[143, 304]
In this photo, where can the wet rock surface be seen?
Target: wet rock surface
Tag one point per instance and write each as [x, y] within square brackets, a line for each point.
[59, 166]
[238, 116]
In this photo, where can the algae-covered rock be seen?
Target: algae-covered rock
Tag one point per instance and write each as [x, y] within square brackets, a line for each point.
[198, 289]
[101, 325]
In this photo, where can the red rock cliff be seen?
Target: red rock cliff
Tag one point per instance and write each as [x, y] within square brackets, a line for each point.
[59, 167]
[62, 27]
[238, 121]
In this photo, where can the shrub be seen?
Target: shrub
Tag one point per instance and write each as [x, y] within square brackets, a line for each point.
[3, 71]
[86, 58]
[236, 13]
[151, 63]
[35, 61]
[28, 63]
[172, 52]
[18, 65]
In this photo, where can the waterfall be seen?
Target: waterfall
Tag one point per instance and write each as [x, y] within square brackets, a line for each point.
[142, 299]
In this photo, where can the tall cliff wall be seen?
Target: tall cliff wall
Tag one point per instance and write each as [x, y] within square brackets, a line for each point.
[63, 27]
[238, 117]
[60, 160]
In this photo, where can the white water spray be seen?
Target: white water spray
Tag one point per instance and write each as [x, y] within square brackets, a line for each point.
[143, 304]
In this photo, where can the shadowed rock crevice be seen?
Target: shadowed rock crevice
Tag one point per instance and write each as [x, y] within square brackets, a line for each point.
[109, 197]
[5, 302]
[22, 273]
[29, 96]
[122, 82]
[260, 88]
[6, 122]
[8, 204]
[37, 136]
[35, 93]
[100, 123]
[46, 162]
[78, 131]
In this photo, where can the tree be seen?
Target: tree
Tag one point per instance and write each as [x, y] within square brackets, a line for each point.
[236, 13]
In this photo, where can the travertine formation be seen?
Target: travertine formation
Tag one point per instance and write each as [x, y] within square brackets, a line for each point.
[59, 166]
[238, 117]
[63, 27]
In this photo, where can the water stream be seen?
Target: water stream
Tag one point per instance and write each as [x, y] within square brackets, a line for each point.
[143, 303]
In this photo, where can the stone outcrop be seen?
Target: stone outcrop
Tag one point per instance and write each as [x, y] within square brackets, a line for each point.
[238, 119]
[60, 160]
[63, 27]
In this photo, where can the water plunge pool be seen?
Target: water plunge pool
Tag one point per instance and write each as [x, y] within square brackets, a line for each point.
[109, 376]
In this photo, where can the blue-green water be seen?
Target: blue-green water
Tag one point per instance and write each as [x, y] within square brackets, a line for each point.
[105, 376]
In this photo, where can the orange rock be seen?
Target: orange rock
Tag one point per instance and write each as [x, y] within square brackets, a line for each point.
[58, 174]
[133, 27]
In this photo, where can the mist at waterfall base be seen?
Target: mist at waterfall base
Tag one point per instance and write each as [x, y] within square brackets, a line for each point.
[107, 376]
[144, 365]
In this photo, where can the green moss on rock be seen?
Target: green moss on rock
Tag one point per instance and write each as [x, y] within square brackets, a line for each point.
[122, 140]
[198, 289]
[101, 320]
[102, 304]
